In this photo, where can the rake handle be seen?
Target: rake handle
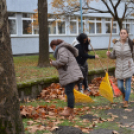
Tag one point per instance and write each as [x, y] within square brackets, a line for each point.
[99, 58]
[110, 42]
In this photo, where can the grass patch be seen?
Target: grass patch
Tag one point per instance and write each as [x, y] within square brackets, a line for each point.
[26, 66]
[57, 103]
[107, 125]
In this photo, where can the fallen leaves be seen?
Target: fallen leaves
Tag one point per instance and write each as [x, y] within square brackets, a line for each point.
[54, 91]
[51, 113]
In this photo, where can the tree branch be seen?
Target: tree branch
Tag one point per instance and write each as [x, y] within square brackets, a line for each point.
[112, 3]
[117, 4]
[110, 11]
[124, 12]
[99, 11]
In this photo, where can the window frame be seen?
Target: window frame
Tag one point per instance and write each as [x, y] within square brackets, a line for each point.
[98, 21]
[115, 22]
[50, 20]
[14, 18]
[73, 20]
[95, 21]
[125, 22]
[32, 20]
[61, 20]
[110, 22]
[92, 21]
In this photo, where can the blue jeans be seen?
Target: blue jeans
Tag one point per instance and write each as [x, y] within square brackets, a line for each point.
[128, 87]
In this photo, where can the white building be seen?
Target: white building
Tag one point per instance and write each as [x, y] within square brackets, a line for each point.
[96, 25]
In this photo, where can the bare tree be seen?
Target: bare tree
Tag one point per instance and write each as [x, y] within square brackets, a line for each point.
[10, 119]
[43, 34]
[73, 6]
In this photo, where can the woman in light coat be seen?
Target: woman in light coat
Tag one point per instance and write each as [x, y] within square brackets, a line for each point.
[68, 69]
[122, 52]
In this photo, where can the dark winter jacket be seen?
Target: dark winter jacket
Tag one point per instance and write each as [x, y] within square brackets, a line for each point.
[83, 49]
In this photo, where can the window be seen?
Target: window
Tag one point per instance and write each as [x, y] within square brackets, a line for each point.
[56, 25]
[52, 27]
[80, 27]
[12, 23]
[127, 24]
[73, 25]
[95, 25]
[107, 25]
[27, 25]
[98, 25]
[92, 25]
[61, 27]
[114, 27]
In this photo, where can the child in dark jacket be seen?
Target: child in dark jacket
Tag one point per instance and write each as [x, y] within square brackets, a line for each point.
[82, 44]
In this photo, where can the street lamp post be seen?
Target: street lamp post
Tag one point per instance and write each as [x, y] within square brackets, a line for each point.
[81, 16]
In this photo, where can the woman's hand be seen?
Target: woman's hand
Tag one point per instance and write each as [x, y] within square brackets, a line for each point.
[96, 56]
[50, 62]
[88, 39]
[108, 53]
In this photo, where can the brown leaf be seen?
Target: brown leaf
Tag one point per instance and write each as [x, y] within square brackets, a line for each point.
[85, 130]
[132, 126]
[32, 129]
[115, 132]
[124, 117]
[30, 122]
[53, 128]
[86, 121]
[129, 110]
[23, 112]
[110, 119]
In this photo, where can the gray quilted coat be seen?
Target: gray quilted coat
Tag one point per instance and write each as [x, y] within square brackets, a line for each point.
[124, 62]
[66, 64]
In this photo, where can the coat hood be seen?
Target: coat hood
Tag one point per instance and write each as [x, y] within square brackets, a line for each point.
[81, 38]
[72, 49]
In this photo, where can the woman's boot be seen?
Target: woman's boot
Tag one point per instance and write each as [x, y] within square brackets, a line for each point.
[67, 112]
[123, 97]
[125, 104]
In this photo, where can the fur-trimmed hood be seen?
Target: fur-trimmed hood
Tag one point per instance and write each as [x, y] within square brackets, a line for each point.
[72, 49]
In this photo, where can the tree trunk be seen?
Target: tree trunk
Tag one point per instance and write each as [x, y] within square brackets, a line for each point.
[10, 119]
[43, 34]
[119, 23]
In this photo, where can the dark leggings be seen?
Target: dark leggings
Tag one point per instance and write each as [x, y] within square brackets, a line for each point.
[70, 94]
[84, 70]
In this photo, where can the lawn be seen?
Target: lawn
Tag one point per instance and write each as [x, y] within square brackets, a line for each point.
[26, 66]
[97, 111]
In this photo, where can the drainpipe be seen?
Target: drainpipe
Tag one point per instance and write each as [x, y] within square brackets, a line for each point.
[81, 16]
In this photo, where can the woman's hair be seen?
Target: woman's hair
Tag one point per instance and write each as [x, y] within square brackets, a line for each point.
[56, 42]
[130, 42]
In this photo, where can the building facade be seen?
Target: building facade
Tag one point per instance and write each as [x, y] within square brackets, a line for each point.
[25, 38]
